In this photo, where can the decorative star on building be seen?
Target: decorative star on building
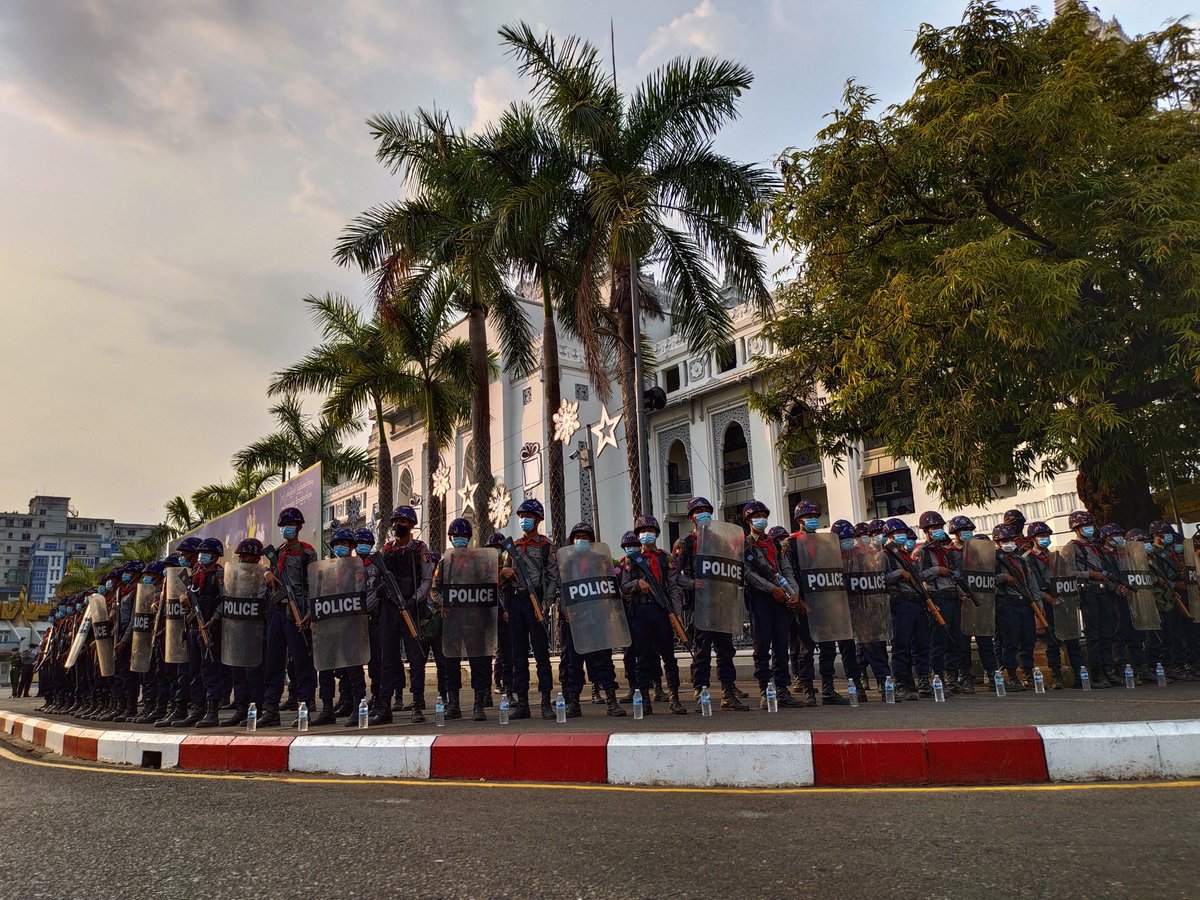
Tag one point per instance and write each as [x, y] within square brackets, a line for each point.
[499, 505]
[441, 481]
[566, 422]
[606, 430]
[466, 495]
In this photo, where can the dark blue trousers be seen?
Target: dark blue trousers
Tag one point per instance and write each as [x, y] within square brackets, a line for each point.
[655, 641]
[1019, 635]
[772, 627]
[284, 640]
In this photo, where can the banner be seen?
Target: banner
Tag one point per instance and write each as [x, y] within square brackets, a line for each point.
[257, 518]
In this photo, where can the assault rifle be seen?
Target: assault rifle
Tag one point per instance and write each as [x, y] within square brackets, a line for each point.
[918, 586]
[272, 556]
[661, 599]
[526, 579]
[1023, 589]
[392, 590]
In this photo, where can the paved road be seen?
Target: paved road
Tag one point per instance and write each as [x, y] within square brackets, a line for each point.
[1178, 701]
[103, 833]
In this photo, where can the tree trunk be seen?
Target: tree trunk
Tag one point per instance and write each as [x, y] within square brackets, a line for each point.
[1128, 502]
[625, 340]
[436, 509]
[552, 392]
[383, 474]
[481, 420]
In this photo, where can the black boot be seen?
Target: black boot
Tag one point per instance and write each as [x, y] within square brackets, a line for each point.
[290, 704]
[269, 717]
[628, 698]
[178, 711]
[966, 684]
[237, 717]
[342, 707]
[785, 699]
[520, 709]
[193, 716]
[119, 712]
[485, 697]
[326, 716]
[596, 698]
[614, 708]
[742, 695]
[418, 708]
[477, 713]
[382, 714]
[151, 713]
[212, 715]
[110, 712]
[830, 697]
[573, 710]
[547, 706]
[659, 695]
[861, 687]
[676, 707]
[810, 694]
[730, 699]
[923, 687]
[453, 709]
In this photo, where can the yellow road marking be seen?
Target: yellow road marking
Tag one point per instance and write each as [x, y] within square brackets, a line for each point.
[629, 789]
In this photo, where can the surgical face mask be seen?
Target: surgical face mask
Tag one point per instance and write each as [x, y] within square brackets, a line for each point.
[878, 539]
[401, 529]
[583, 543]
[1168, 538]
[126, 577]
[759, 524]
[341, 551]
[647, 537]
[1089, 531]
[1008, 546]
[965, 536]
[1149, 548]
[1118, 541]
[910, 543]
[102, 590]
[459, 541]
[182, 560]
[632, 551]
[938, 534]
[290, 531]
[702, 517]
[527, 524]
[898, 539]
[848, 543]
[363, 549]
[1043, 542]
[147, 579]
[811, 525]
[205, 559]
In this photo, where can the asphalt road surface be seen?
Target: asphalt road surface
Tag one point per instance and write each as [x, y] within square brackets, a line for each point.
[80, 830]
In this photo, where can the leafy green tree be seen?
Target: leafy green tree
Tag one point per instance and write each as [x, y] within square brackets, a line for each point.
[214, 500]
[1000, 276]
[77, 577]
[301, 442]
[181, 518]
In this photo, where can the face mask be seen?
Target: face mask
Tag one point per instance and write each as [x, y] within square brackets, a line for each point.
[147, 579]
[759, 524]
[909, 544]
[1089, 531]
[965, 536]
[632, 552]
[126, 577]
[401, 530]
[583, 543]
[341, 551]
[102, 590]
[527, 524]
[878, 539]
[647, 537]
[938, 534]
[459, 541]
[1149, 548]
[205, 559]
[1043, 542]
[703, 517]
[1118, 541]
[363, 549]
[812, 524]
[1008, 546]
[290, 531]
[1168, 538]
[183, 560]
[848, 543]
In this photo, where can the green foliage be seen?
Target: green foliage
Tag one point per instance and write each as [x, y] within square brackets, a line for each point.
[301, 442]
[1000, 276]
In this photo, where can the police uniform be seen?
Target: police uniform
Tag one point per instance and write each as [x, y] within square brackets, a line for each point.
[525, 631]
[285, 641]
[651, 628]
[1016, 615]
[411, 566]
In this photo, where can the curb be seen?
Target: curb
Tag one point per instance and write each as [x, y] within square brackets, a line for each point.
[944, 756]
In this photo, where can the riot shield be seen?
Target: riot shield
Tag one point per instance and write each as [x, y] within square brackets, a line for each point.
[468, 579]
[1191, 574]
[720, 547]
[979, 571]
[590, 598]
[870, 606]
[174, 644]
[823, 586]
[141, 644]
[79, 639]
[102, 631]
[339, 613]
[1064, 584]
[243, 614]
[1135, 564]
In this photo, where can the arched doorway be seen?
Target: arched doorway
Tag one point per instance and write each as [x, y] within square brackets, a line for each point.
[679, 490]
[737, 486]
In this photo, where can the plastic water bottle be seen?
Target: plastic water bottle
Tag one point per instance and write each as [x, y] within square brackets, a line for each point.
[772, 697]
[1159, 673]
[939, 690]
[852, 693]
[889, 690]
[998, 678]
[637, 703]
[364, 713]
[252, 718]
[1084, 681]
[1039, 681]
[705, 702]
[302, 717]
[439, 713]
[560, 708]
[1129, 676]
[504, 708]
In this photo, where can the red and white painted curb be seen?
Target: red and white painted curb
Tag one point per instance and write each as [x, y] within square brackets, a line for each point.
[939, 756]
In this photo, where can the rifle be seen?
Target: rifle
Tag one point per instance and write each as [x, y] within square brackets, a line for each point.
[393, 592]
[272, 556]
[198, 618]
[526, 581]
[661, 599]
[1175, 597]
[919, 587]
[1023, 589]
[765, 571]
[957, 577]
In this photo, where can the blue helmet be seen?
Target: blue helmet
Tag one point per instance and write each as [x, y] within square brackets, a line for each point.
[342, 536]
[891, 526]
[404, 514]
[1036, 529]
[699, 504]
[930, 520]
[582, 528]
[155, 568]
[961, 523]
[1136, 534]
[531, 507]
[647, 523]
[629, 539]
[755, 507]
[806, 509]
[1112, 529]
[459, 528]
[862, 529]
[843, 529]
[876, 526]
[134, 565]
[1004, 532]
[290, 516]
[777, 532]
[497, 541]
[213, 546]
[364, 536]
[189, 545]
[250, 547]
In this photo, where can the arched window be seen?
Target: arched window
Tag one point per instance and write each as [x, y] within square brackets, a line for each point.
[404, 492]
[679, 472]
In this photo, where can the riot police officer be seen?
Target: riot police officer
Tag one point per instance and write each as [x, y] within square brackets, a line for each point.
[910, 624]
[773, 597]
[288, 579]
[530, 582]
[949, 648]
[459, 532]
[126, 683]
[599, 662]
[1037, 558]
[1012, 604]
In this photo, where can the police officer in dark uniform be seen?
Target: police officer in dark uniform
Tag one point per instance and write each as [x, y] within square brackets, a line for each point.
[1041, 582]
[204, 596]
[1098, 594]
[938, 561]
[459, 532]
[342, 544]
[526, 632]
[700, 511]
[286, 639]
[364, 545]
[910, 622]
[248, 686]
[773, 597]
[126, 683]
[502, 674]
[1012, 601]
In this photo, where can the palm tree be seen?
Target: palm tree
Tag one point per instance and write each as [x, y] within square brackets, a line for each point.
[77, 578]
[444, 229]
[300, 442]
[181, 518]
[214, 500]
[657, 193]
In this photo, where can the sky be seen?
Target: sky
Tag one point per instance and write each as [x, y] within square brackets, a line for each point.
[173, 177]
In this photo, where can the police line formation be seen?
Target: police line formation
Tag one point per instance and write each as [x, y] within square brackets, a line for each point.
[184, 634]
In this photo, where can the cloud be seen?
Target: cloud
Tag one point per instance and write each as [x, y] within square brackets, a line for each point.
[492, 93]
[705, 30]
